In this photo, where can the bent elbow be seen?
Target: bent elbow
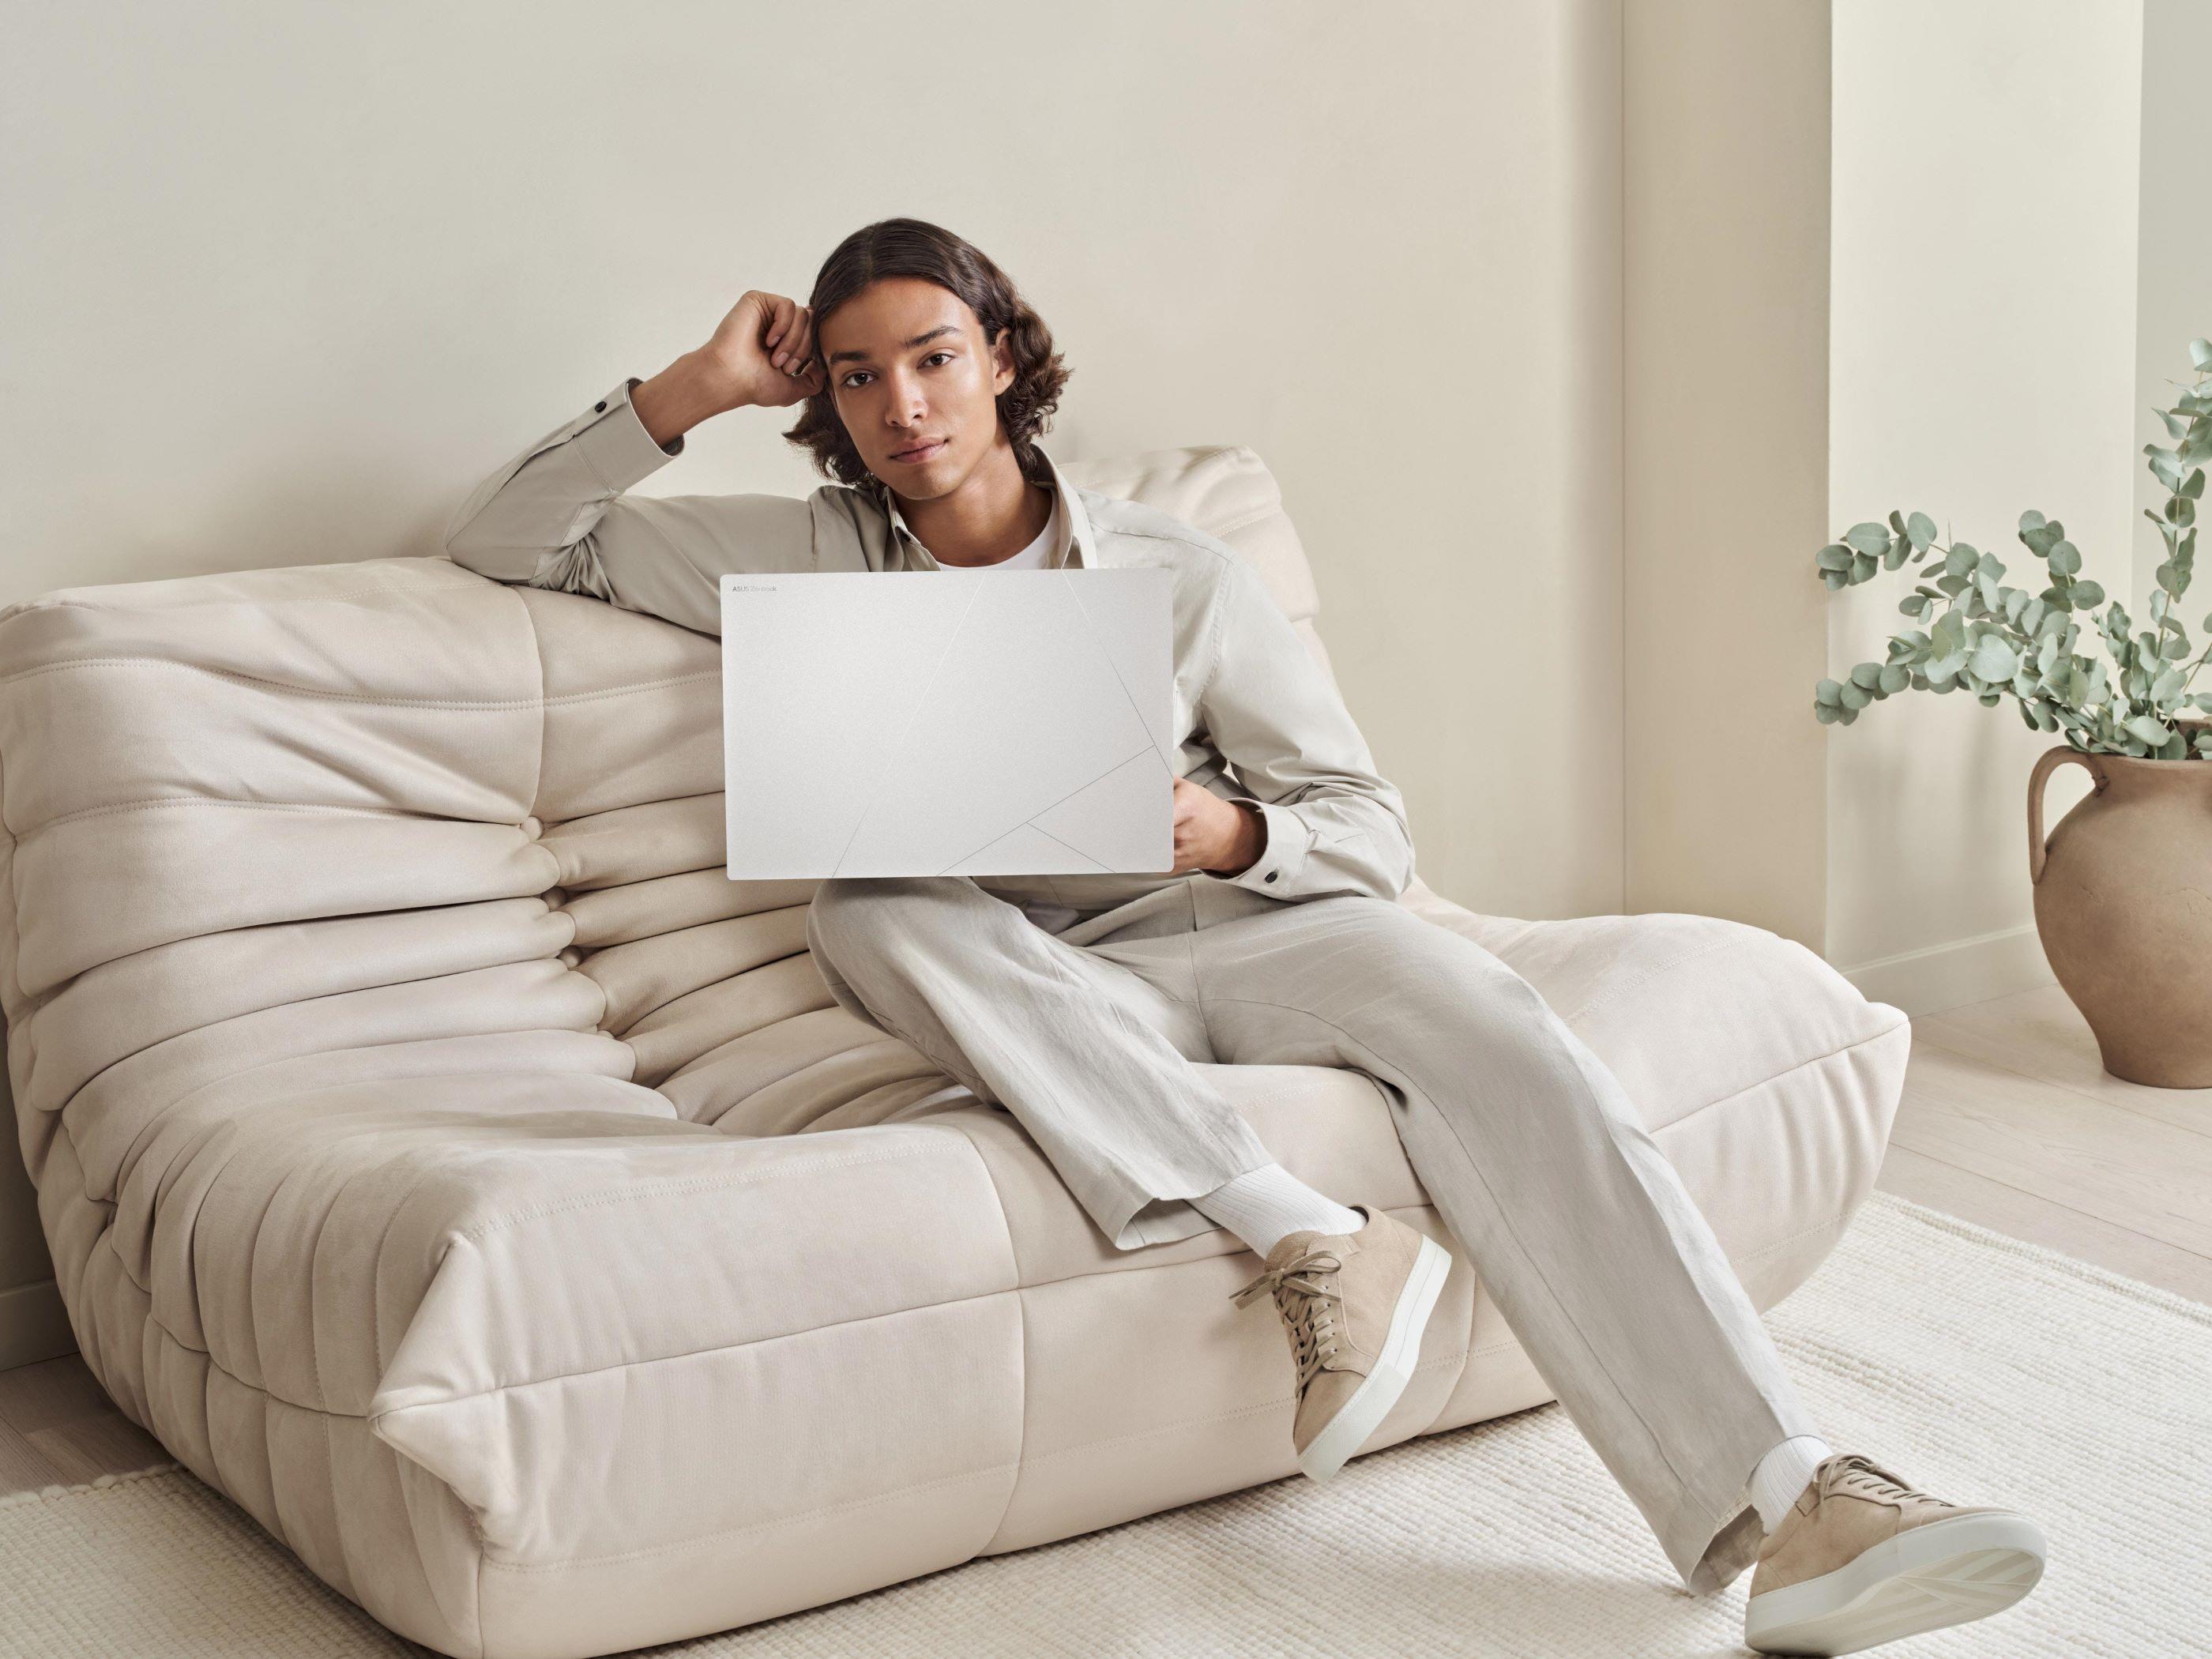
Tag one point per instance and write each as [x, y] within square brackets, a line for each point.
[468, 546]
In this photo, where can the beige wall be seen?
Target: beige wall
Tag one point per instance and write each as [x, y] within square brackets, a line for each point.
[301, 274]
[1726, 411]
[1984, 362]
[2173, 284]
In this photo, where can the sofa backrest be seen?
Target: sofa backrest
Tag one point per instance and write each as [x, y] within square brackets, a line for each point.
[1227, 491]
[276, 830]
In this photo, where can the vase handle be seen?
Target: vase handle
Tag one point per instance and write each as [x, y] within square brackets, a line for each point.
[2049, 761]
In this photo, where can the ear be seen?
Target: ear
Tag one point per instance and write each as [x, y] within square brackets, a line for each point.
[1002, 362]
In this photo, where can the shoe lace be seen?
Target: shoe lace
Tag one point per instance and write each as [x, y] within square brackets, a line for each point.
[1304, 1289]
[1848, 1471]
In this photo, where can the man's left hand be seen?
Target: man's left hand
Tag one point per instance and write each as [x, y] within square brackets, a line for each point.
[1216, 836]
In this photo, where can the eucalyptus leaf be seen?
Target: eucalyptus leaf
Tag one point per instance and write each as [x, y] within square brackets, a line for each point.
[1992, 658]
[1993, 641]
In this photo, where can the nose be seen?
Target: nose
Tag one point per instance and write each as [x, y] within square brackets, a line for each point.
[903, 405]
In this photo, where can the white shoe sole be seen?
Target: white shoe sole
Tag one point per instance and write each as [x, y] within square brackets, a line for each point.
[1371, 1402]
[1944, 1573]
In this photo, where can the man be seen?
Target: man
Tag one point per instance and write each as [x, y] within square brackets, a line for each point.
[1079, 1002]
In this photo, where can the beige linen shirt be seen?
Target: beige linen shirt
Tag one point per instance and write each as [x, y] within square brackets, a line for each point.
[1258, 719]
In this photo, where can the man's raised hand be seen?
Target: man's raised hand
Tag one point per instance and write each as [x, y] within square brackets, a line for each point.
[764, 351]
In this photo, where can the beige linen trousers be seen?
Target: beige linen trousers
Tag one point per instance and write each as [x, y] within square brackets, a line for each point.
[1086, 1030]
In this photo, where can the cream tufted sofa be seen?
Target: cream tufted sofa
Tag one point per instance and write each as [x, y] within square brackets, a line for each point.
[445, 1160]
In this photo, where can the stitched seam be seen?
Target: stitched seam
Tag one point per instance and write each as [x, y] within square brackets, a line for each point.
[1213, 638]
[1803, 1065]
[675, 1188]
[1197, 987]
[153, 802]
[399, 588]
[285, 687]
[1244, 523]
[376, 1268]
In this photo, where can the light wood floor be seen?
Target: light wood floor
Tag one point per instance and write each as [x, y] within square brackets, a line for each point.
[2008, 1119]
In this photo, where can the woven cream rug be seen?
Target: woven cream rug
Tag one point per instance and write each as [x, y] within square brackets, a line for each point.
[1986, 1370]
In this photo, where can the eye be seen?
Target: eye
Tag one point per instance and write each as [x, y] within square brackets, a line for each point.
[848, 380]
[938, 354]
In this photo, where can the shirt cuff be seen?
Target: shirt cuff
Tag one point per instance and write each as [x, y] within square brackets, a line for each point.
[616, 446]
[1276, 870]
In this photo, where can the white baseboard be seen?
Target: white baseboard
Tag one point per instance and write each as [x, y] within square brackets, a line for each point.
[34, 1325]
[1940, 976]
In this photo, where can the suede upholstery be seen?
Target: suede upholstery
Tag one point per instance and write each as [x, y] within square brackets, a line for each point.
[446, 1161]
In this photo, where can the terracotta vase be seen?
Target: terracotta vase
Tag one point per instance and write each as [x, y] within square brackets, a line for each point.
[2124, 903]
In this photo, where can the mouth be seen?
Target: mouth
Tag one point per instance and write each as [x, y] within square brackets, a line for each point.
[918, 452]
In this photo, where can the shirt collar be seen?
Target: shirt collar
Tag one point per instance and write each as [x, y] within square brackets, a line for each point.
[1075, 549]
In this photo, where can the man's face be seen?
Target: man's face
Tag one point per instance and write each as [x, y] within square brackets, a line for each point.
[915, 383]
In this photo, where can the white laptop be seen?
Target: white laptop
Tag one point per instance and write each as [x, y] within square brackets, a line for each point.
[948, 722]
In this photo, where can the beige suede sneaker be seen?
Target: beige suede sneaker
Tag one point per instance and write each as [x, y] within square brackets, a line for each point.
[1863, 1559]
[1354, 1305]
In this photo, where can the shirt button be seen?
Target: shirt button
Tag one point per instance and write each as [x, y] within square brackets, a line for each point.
[599, 408]
[1271, 874]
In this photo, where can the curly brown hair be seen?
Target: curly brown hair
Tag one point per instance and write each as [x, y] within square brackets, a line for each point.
[914, 247]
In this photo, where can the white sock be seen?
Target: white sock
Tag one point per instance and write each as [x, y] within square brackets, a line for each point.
[1262, 1205]
[1780, 1480]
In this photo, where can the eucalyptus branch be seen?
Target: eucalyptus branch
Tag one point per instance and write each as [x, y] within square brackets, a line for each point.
[1996, 642]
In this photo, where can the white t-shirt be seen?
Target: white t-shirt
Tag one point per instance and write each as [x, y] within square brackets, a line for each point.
[1036, 556]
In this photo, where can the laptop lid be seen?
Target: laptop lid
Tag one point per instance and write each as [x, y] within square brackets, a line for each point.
[948, 722]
